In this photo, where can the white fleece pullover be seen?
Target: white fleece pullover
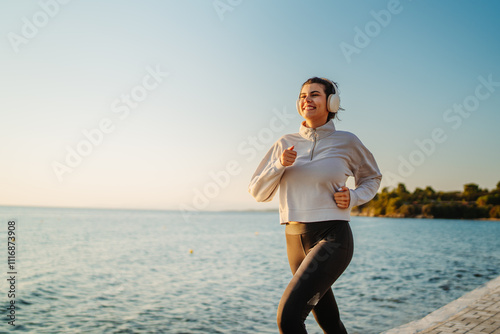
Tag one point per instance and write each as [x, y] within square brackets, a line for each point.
[325, 158]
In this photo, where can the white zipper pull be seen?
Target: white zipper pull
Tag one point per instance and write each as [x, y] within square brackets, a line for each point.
[314, 145]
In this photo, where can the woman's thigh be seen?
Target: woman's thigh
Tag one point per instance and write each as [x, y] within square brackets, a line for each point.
[329, 250]
[317, 260]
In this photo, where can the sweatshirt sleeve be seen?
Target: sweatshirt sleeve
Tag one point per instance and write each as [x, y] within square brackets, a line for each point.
[367, 176]
[265, 181]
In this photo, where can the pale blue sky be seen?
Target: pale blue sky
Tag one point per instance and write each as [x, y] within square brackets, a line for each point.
[66, 68]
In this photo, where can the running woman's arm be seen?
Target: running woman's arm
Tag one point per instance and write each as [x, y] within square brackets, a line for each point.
[265, 181]
[367, 176]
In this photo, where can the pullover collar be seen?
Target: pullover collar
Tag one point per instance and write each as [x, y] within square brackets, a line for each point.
[323, 131]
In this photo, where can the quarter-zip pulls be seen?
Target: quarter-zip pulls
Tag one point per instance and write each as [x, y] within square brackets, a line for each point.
[316, 134]
[314, 144]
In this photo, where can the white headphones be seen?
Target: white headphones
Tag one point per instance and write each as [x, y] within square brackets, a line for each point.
[332, 102]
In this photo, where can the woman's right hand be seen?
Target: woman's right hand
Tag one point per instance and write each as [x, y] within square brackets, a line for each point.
[288, 156]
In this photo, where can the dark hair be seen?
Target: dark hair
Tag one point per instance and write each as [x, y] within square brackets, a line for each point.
[328, 88]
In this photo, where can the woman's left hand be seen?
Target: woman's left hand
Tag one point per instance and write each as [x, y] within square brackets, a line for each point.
[342, 197]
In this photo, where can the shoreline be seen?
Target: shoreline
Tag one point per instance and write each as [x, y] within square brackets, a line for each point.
[353, 214]
[421, 217]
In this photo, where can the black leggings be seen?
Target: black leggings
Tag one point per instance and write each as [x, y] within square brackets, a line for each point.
[318, 254]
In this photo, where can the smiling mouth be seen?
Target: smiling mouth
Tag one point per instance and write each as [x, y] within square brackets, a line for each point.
[309, 108]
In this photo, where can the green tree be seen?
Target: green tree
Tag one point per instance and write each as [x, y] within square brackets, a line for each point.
[401, 189]
[418, 195]
[394, 205]
[490, 199]
[471, 192]
[471, 188]
[430, 192]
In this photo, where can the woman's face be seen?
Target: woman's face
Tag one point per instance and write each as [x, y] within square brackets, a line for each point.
[312, 102]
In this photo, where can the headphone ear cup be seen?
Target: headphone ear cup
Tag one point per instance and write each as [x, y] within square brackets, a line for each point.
[333, 103]
[298, 106]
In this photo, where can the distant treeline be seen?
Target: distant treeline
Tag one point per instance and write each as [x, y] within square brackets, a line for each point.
[472, 203]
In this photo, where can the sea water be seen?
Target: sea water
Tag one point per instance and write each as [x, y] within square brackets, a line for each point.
[128, 271]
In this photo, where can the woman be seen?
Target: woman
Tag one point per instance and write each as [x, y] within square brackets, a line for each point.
[310, 168]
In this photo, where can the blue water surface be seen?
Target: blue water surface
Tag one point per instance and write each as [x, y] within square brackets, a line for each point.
[126, 271]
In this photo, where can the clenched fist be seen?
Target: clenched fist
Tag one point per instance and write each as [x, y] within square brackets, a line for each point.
[288, 156]
[342, 197]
